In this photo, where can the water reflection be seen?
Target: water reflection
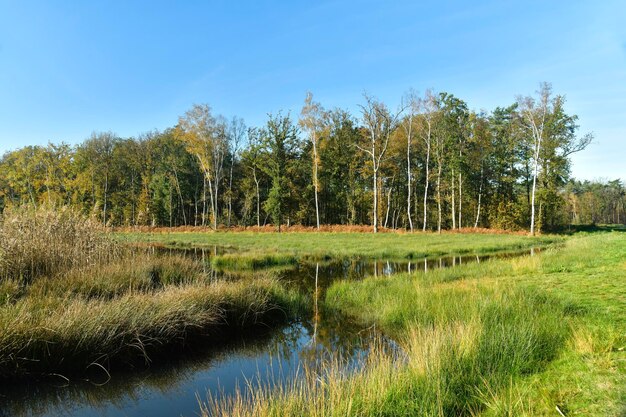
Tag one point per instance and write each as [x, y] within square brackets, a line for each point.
[271, 355]
[165, 390]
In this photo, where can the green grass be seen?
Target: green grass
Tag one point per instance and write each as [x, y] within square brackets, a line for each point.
[72, 299]
[127, 313]
[338, 245]
[252, 261]
[532, 336]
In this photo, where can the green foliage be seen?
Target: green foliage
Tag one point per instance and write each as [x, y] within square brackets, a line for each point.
[280, 142]
[207, 170]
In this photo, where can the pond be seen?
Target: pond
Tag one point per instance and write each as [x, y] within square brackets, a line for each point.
[271, 356]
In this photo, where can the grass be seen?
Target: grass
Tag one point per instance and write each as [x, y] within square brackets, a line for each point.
[45, 242]
[42, 334]
[341, 245]
[251, 261]
[61, 314]
[534, 336]
[128, 312]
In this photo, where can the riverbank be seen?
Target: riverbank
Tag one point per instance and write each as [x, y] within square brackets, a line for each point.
[530, 336]
[316, 246]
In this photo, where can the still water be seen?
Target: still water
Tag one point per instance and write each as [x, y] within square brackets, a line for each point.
[272, 356]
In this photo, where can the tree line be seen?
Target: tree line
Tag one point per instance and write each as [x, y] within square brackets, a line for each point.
[429, 164]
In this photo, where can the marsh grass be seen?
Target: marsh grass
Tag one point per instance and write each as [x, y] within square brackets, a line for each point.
[139, 273]
[453, 360]
[66, 307]
[532, 336]
[45, 242]
[55, 334]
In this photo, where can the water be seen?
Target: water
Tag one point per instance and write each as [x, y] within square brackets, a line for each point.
[172, 389]
[271, 355]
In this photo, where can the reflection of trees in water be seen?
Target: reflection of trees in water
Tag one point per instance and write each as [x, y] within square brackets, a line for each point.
[311, 342]
[54, 396]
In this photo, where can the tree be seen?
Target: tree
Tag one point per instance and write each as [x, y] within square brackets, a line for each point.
[534, 112]
[97, 158]
[412, 104]
[379, 124]
[343, 183]
[205, 137]
[280, 143]
[311, 121]
[236, 134]
[454, 116]
[549, 127]
[428, 106]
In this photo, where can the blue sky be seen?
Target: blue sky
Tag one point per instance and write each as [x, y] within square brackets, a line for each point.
[70, 68]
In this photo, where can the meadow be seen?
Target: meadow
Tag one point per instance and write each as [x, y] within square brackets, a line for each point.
[535, 335]
[321, 245]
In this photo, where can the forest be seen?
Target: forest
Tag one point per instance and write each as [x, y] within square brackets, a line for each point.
[429, 164]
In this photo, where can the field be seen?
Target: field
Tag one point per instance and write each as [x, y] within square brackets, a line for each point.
[342, 244]
[532, 335]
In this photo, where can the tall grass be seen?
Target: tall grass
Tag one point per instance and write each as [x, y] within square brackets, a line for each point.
[45, 242]
[533, 336]
[72, 299]
[455, 355]
[55, 334]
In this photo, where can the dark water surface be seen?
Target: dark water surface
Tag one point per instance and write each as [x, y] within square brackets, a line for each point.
[273, 356]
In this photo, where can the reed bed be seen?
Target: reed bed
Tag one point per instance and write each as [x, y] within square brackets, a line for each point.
[65, 307]
[45, 242]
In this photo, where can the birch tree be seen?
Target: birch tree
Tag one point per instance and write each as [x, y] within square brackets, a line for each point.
[428, 107]
[311, 121]
[411, 102]
[205, 137]
[379, 123]
[534, 112]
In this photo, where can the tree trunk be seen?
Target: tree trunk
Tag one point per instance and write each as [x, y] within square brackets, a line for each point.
[388, 207]
[480, 193]
[315, 183]
[180, 196]
[106, 190]
[426, 186]
[460, 199]
[375, 200]
[230, 190]
[408, 176]
[453, 204]
[204, 210]
[439, 197]
[258, 201]
[534, 188]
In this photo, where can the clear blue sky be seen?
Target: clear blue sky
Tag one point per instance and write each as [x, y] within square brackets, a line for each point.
[70, 68]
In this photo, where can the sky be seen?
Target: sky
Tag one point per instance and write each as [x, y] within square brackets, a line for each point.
[69, 68]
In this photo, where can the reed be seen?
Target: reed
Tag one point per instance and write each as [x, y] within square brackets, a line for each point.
[71, 299]
[41, 242]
